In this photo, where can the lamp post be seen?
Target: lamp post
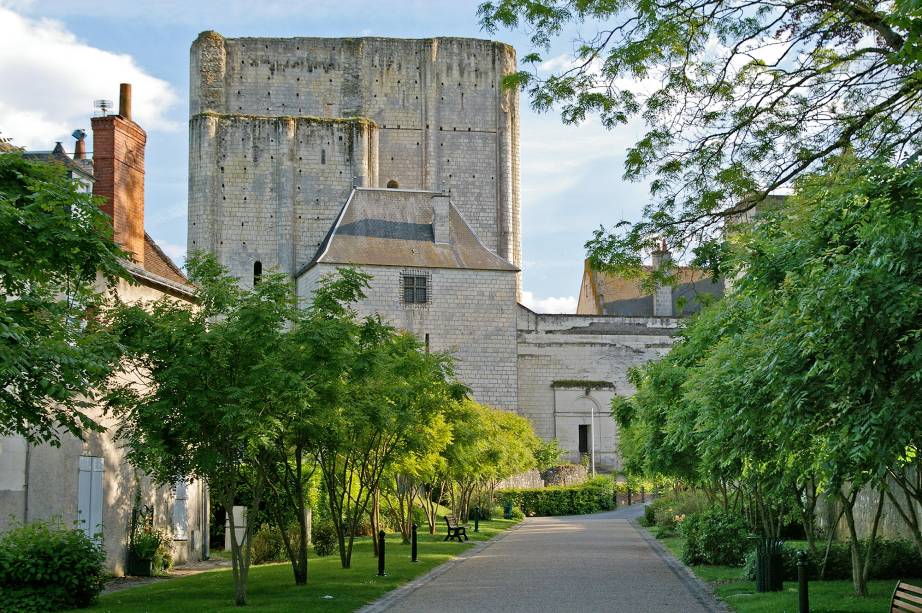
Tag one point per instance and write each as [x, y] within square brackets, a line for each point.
[592, 433]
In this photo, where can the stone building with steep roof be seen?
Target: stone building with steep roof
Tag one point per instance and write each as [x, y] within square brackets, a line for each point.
[401, 158]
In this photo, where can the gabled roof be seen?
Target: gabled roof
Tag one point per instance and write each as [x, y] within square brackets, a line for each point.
[58, 156]
[393, 227]
[159, 263]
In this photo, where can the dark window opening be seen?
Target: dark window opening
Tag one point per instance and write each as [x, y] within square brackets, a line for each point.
[392, 184]
[584, 438]
[323, 156]
[257, 272]
[415, 289]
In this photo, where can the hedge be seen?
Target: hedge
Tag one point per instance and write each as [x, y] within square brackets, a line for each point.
[45, 567]
[589, 497]
[892, 559]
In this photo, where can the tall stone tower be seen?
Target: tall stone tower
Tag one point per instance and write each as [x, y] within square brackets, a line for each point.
[281, 130]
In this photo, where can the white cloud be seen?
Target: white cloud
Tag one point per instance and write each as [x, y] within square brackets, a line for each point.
[563, 304]
[57, 77]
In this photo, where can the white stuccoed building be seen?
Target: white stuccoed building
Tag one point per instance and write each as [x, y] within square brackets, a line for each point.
[401, 158]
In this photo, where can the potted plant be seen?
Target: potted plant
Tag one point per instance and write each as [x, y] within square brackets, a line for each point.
[144, 557]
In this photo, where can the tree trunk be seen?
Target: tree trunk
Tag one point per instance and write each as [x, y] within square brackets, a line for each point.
[869, 554]
[830, 536]
[911, 486]
[858, 561]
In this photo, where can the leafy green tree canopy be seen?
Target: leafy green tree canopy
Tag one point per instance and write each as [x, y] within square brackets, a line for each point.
[739, 97]
[53, 353]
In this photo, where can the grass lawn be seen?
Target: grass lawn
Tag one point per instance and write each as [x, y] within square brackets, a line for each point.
[825, 596]
[329, 587]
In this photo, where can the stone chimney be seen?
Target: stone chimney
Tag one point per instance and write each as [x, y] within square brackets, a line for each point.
[440, 219]
[662, 297]
[118, 165]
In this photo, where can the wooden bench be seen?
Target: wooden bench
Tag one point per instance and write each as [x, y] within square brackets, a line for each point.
[455, 530]
[906, 597]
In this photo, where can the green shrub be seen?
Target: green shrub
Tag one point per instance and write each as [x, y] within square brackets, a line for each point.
[715, 537]
[268, 545]
[517, 513]
[649, 515]
[892, 559]
[589, 497]
[323, 537]
[45, 567]
[671, 508]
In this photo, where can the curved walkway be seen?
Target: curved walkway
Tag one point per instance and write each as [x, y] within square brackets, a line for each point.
[601, 562]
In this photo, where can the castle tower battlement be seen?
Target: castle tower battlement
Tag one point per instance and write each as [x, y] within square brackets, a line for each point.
[436, 117]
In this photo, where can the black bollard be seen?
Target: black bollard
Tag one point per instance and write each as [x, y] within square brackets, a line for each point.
[476, 519]
[381, 572]
[643, 495]
[628, 496]
[413, 546]
[804, 595]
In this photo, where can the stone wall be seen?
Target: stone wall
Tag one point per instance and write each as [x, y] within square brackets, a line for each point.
[446, 122]
[527, 480]
[268, 189]
[565, 474]
[471, 314]
[588, 357]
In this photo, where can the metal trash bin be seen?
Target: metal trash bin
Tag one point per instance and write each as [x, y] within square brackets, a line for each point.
[769, 568]
[507, 509]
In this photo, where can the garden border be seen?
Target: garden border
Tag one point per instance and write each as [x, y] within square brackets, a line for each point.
[701, 591]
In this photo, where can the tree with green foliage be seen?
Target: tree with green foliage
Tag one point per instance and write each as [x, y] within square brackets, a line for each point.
[804, 379]
[547, 454]
[53, 354]
[487, 445]
[376, 412]
[403, 485]
[203, 385]
[739, 98]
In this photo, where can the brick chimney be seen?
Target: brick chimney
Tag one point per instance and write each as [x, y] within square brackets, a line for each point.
[662, 297]
[118, 165]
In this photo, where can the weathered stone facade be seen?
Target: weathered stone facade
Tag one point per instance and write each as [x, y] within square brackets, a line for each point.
[439, 120]
[471, 313]
[571, 366]
[400, 158]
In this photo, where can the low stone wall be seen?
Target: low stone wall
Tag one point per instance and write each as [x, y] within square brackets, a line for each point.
[529, 479]
[565, 474]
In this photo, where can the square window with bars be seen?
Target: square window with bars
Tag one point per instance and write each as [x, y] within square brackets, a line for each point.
[416, 288]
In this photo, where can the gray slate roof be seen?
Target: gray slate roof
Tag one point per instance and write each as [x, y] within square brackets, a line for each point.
[393, 227]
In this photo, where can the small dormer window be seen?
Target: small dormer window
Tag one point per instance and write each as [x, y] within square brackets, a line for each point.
[415, 288]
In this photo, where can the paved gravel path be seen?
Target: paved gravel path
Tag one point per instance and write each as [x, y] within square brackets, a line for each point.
[600, 562]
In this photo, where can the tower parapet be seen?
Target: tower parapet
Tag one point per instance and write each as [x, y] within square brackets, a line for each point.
[438, 116]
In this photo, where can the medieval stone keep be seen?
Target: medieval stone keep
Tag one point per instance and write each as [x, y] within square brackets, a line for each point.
[401, 158]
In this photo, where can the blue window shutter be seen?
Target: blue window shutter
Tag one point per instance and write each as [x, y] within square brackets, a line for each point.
[90, 496]
[180, 512]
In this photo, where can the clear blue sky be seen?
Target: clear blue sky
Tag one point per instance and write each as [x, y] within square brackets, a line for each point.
[57, 56]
